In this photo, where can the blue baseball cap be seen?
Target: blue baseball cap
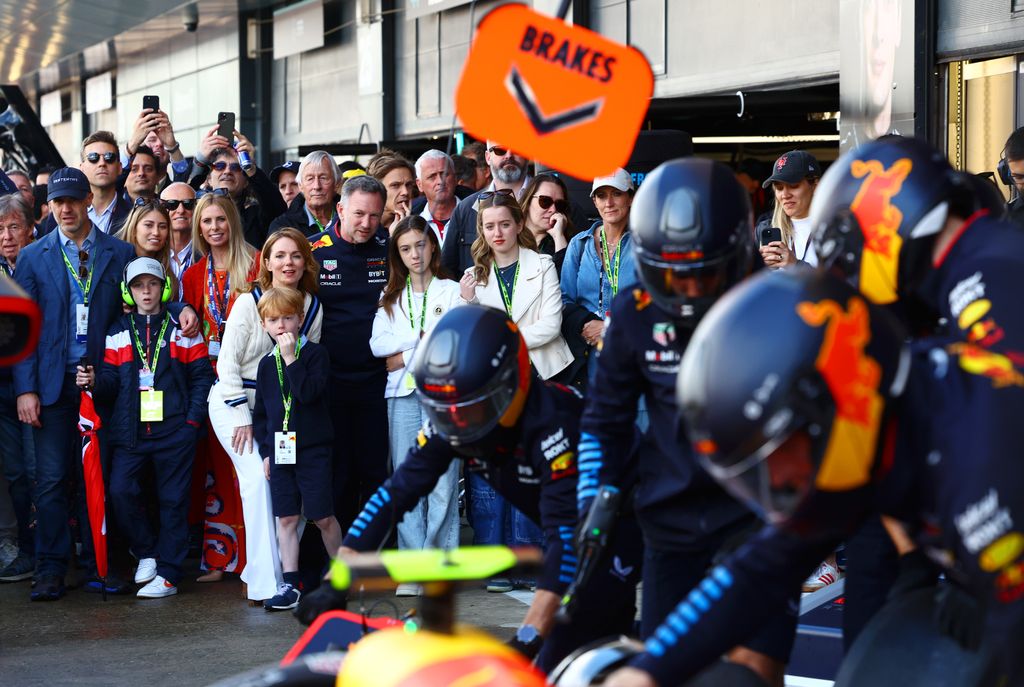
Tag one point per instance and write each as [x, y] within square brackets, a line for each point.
[67, 182]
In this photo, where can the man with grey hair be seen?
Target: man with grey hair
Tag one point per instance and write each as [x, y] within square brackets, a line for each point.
[17, 547]
[435, 177]
[24, 184]
[353, 259]
[510, 175]
[312, 210]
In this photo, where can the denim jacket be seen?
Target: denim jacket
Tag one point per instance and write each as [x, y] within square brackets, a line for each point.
[584, 281]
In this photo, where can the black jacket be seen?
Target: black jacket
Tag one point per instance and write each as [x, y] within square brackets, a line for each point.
[295, 216]
[533, 468]
[306, 379]
[677, 503]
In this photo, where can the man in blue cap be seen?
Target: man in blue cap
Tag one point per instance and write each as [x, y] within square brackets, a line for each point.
[74, 275]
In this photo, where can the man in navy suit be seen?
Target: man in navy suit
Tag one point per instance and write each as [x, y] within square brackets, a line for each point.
[74, 275]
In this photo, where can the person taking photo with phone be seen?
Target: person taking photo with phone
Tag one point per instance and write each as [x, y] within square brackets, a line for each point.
[794, 177]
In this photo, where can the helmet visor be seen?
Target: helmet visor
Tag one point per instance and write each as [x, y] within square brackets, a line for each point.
[467, 421]
[687, 290]
[773, 480]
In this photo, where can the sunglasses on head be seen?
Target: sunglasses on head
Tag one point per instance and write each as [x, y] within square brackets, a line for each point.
[172, 205]
[498, 193]
[214, 192]
[142, 200]
[545, 202]
[95, 157]
[221, 166]
[498, 150]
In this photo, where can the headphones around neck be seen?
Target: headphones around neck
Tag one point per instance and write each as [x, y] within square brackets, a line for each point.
[126, 292]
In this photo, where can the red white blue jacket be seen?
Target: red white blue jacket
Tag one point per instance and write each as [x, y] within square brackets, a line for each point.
[183, 373]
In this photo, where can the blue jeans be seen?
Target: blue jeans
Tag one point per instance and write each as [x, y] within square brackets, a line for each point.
[434, 520]
[495, 521]
[59, 466]
[17, 455]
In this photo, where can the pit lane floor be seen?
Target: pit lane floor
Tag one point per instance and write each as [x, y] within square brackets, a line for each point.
[205, 633]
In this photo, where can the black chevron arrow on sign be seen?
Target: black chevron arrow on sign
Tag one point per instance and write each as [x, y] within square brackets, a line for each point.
[523, 94]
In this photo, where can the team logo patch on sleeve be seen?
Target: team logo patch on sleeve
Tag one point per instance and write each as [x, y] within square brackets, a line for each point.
[564, 466]
[642, 298]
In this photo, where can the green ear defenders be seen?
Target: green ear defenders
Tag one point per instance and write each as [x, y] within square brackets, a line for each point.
[126, 293]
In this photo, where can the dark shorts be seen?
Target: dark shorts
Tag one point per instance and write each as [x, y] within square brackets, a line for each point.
[303, 488]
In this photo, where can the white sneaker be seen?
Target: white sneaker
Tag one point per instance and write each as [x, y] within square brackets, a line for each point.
[146, 570]
[407, 589]
[822, 577]
[158, 588]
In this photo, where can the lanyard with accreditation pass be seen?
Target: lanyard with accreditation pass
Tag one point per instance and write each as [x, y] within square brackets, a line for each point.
[507, 294]
[151, 401]
[81, 309]
[284, 441]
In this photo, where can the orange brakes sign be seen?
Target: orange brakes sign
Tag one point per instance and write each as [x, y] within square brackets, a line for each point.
[559, 94]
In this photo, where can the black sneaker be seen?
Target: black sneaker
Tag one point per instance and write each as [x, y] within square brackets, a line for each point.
[287, 597]
[19, 569]
[115, 585]
[48, 588]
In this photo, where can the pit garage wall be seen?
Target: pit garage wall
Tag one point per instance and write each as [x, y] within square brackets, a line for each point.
[694, 47]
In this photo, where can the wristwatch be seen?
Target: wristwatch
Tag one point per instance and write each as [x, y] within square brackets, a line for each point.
[528, 634]
[176, 148]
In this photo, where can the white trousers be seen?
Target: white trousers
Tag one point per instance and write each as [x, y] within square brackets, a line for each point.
[262, 562]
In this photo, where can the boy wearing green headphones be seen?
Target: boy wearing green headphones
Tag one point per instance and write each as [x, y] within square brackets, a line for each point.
[157, 381]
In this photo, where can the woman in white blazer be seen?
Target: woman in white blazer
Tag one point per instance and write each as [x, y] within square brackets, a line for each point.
[509, 274]
[414, 299]
[285, 260]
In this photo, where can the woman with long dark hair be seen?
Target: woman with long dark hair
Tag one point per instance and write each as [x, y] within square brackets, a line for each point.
[416, 296]
[547, 213]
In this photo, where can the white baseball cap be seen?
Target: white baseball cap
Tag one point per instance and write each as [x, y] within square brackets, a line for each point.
[619, 179]
[140, 266]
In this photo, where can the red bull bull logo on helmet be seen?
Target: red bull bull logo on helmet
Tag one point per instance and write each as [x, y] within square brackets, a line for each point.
[880, 222]
[852, 377]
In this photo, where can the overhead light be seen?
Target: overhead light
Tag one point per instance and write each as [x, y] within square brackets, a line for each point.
[797, 138]
[822, 116]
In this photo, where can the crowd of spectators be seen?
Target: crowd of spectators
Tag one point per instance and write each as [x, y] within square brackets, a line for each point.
[296, 301]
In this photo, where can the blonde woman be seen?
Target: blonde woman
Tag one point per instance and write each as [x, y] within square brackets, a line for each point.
[148, 230]
[794, 178]
[285, 261]
[508, 273]
[212, 285]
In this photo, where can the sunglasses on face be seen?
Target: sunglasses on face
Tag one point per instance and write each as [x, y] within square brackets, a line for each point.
[95, 157]
[172, 205]
[498, 150]
[221, 166]
[488, 195]
[545, 202]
